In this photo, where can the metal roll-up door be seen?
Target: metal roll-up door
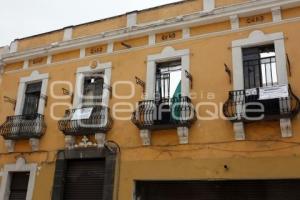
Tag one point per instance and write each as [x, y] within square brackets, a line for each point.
[219, 190]
[19, 185]
[84, 179]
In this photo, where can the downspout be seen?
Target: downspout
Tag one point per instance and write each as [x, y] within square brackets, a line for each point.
[113, 147]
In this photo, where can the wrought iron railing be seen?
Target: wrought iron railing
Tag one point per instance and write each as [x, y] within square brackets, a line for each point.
[23, 127]
[99, 121]
[242, 106]
[164, 114]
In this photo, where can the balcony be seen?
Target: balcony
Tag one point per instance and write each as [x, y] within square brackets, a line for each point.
[245, 106]
[97, 121]
[164, 114]
[23, 127]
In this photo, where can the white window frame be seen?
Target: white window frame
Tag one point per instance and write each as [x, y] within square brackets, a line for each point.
[168, 54]
[80, 75]
[258, 38]
[33, 78]
[19, 166]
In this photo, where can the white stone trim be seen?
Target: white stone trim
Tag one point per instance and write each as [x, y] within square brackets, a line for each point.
[276, 14]
[82, 53]
[131, 19]
[152, 39]
[26, 64]
[257, 38]
[110, 47]
[167, 54]
[68, 34]
[14, 46]
[34, 77]
[189, 20]
[20, 166]
[49, 59]
[186, 33]
[235, 22]
[208, 5]
[106, 68]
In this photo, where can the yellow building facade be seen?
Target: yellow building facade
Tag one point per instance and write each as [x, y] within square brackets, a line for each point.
[220, 54]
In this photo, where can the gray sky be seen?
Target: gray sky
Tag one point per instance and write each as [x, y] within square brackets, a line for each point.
[22, 18]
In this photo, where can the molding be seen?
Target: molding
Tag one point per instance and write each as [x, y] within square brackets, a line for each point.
[106, 68]
[183, 135]
[110, 47]
[194, 19]
[257, 38]
[100, 139]
[235, 22]
[286, 128]
[49, 59]
[82, 53]
[34, 77]
[14, 46]
[276, 14]
[167, 54]
[208, 5]
[152, 39]
[20, 166]
[34, 143]
[186, 33]
[131, 19]
[163, 44]
[70, 142]
[146, 137]
[239, 131]
[68, 34]
[10, 145]
[26, 64]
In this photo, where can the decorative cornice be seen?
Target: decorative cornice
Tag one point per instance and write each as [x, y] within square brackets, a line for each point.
[194, 19]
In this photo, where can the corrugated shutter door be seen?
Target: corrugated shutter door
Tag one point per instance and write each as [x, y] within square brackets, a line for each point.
[19, 185]
[219, 190]
[84, 179]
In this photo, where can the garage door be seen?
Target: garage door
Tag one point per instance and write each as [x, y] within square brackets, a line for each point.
[219, 190]
[84, 179]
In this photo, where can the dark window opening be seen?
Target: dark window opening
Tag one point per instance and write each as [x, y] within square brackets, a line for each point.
[218, 190]
[92, 90]
[259, 66]
[32, 98]
[19, 185]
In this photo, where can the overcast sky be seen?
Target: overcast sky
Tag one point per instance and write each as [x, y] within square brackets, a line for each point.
[22, 18]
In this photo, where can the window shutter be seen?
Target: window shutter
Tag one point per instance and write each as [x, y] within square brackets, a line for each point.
[252, 69]
[32, 98]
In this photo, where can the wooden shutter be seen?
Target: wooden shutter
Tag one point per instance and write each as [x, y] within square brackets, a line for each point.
[32, 98]
[84, 179]
[19, 185]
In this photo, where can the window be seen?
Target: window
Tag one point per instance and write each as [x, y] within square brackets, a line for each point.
[92, 89]
[259, 66]
[32, 98]
[19, 185]
[168, 80]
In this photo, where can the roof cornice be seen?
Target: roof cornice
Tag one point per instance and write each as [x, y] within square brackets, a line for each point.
[217, 15]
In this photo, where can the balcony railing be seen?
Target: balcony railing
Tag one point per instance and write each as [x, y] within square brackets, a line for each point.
[246, 106]
[23, 127]
[164, 114]
[99, 121]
